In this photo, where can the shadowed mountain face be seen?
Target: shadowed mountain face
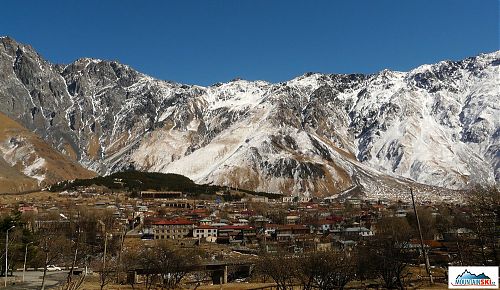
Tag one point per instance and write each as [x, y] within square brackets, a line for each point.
[316, 134]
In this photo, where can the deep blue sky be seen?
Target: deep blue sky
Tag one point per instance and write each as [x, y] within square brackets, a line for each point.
[203, 42]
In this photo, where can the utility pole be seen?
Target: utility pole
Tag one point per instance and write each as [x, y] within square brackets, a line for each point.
[77, 244]
[6, 254]
[25, 255]
[105, 249]
[122, 240]
[424, 253]
[103, 274]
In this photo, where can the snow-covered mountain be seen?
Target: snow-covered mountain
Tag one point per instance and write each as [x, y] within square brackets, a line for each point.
[320, 134]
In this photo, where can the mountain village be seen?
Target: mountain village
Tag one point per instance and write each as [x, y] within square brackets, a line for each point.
[230, 233]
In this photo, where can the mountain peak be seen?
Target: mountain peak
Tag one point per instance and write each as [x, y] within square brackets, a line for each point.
[6, 37]
[88, 60]
[433, 128]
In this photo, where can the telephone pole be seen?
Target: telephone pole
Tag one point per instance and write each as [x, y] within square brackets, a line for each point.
[424, 253]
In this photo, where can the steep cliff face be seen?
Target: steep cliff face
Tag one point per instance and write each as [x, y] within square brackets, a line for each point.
[316, 134]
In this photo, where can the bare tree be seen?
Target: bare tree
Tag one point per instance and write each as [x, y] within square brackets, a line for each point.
[388, 254]
[130, 262]
[79, 249]
[326, 270]
[163, 263]
[484, 221]
[107, 271]
[281, 267]
[173, 264]
[147, 264]
[54, 248]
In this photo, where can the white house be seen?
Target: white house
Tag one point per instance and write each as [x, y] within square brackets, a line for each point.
[204, 231]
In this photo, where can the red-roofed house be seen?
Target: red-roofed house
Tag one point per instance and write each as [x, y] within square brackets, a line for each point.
[171, 229]
[26, 209]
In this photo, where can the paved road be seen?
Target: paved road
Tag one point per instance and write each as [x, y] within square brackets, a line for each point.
[33, 280]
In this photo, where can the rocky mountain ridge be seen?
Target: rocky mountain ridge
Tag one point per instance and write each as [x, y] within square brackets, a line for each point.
[318, 134]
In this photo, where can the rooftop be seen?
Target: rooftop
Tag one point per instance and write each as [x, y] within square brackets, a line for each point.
[172, 222]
